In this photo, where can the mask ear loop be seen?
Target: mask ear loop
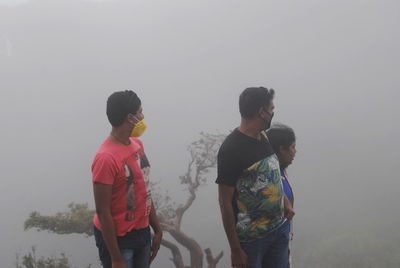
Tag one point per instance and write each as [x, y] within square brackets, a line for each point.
[263, 132]
[271, 115]
[137, 119]
[270, 121]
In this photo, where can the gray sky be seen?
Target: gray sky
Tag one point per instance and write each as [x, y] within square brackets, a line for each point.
[334, 66]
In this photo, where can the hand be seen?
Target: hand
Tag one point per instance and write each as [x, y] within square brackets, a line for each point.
[155, 245]
[119, 264]
[238, 258]
[289, 213]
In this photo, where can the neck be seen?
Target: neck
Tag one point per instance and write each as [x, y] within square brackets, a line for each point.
[282, 166]
[120, 136]
[251, 128]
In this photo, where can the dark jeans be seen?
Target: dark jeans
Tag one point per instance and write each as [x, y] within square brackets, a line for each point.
[134, 247]
[270, 251]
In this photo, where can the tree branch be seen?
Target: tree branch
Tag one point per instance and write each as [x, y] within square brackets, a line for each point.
[165, 224]
[176, 253]
[199, 158]
[202, 157]
[196, 253]
[182, 209]
[212, 262]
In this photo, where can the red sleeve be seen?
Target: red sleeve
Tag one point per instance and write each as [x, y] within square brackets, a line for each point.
[104, 169]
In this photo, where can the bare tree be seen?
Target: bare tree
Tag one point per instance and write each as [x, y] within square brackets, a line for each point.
[203, 157]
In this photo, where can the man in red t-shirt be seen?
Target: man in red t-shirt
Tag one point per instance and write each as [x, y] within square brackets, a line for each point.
[121, 186]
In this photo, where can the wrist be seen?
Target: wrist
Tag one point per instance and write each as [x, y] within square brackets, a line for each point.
[156, 229]
[158, 233]
[236, 248]
[117, 257]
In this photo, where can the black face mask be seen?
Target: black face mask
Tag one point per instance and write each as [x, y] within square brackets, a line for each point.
[268, 122]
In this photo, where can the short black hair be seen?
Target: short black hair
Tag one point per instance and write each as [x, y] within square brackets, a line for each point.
[252, 99]
[280, 135]
[120, 104]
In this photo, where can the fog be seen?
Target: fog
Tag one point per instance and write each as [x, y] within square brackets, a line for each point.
[333, 64]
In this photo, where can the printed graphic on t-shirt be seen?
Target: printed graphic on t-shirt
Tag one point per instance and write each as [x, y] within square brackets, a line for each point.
[143, 163]
[259, 197]
[130, 194]
[145, 167]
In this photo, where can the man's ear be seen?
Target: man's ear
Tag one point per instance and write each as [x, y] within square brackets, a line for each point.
[261, 111]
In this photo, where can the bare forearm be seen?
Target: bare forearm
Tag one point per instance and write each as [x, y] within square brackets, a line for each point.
[154, 223]
[286, 202]
[109, 235]
[228, 219]
[289, 212]
[225, 197]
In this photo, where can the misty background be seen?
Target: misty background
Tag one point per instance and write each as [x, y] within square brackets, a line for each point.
[333, 64]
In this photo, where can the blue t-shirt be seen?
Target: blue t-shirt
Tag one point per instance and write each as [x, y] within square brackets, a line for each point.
[286, 187]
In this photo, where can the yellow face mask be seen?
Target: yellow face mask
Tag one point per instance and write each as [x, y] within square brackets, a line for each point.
[139, 129]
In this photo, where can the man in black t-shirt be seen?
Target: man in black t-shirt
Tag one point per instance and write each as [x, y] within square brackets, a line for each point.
[250, 189]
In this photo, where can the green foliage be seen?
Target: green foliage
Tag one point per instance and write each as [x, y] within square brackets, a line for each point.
[77, 220]
[30, 261]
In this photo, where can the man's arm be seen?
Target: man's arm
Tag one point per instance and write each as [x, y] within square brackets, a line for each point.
[289, 212]
[154, 223]
[225, 195]
[102, 198]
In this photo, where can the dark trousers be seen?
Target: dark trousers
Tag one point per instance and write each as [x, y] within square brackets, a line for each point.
[270, 251]
[134, 247]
